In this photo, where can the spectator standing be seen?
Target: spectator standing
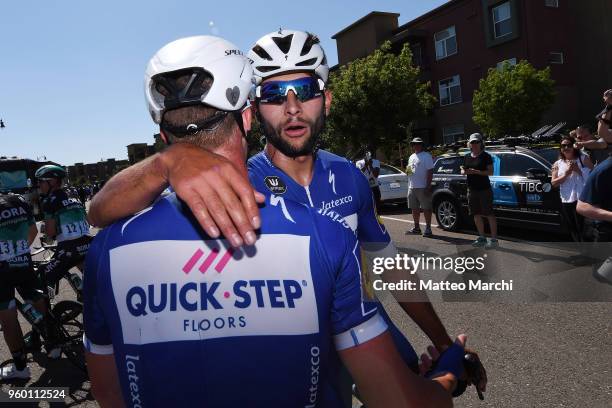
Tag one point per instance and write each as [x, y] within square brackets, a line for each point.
[370, 167]
[478, 166]
[569, 173]
[420, 168]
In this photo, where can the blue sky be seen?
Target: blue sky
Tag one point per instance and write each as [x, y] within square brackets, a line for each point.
[71, 71]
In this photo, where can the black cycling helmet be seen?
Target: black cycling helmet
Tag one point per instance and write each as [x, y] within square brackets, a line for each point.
[50, 171]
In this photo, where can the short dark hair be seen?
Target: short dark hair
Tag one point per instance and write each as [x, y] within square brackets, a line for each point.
[186, 115]
[209, 139]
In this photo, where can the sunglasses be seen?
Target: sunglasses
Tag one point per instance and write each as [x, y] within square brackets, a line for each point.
[475, 142]
[275, 92]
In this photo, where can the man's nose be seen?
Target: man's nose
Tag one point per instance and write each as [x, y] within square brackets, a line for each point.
[293, 105]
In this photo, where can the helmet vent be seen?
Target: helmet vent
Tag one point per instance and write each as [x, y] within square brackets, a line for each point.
[310, 41]
[267, 68]
[262, 53]
[307, 62]
[284, 43]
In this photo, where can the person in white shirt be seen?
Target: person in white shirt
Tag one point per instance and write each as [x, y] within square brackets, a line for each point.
[371, 169]
[569, 173]
[420, 169]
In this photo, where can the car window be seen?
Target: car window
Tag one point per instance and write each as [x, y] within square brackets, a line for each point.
[513, 164]
[385, 170]
[550, 154]
[448, 165]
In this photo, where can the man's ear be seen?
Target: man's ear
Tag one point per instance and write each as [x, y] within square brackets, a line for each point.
[328, 101]
[163, 136]
[247, 117]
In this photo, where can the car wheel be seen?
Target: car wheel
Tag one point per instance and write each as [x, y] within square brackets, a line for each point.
[447, 214]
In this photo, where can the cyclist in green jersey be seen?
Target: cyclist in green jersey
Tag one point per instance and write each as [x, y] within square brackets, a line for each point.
[17, 232]
[65, 220]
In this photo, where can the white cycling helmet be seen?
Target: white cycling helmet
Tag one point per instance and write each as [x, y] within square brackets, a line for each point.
[202, 57]
[286, 51]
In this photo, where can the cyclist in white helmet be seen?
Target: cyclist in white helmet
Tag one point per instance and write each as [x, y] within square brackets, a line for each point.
[174, 317]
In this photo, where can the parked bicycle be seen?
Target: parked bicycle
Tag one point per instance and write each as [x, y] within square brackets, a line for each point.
[62, 326]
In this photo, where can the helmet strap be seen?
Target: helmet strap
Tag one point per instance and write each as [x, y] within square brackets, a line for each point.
[207, 125]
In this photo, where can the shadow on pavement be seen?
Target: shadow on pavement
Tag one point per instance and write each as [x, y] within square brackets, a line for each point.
[56, 373]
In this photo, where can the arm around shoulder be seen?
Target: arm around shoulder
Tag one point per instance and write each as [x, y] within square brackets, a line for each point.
[128, 192]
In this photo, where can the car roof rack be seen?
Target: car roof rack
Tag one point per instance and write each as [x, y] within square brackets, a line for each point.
[546, 134]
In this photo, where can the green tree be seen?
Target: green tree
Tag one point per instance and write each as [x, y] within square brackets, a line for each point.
[375, 99]
[512, 100]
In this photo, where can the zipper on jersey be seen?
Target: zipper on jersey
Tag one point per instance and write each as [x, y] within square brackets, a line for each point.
[308, 194]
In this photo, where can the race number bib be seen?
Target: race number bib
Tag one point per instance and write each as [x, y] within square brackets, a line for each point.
[75, 229]
[7, 250]
[11, 249]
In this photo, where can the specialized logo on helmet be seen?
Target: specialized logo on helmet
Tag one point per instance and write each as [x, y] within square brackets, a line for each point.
[232, 95]
[233, 52]
[275, 185]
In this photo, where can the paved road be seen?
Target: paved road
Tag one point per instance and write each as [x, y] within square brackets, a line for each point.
[538, 354]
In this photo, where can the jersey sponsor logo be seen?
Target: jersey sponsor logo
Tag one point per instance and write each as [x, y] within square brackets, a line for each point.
[275, 184]
[132, 364]
[332, 181]
[71, 201]
[12, 212]
[334, 216]
[315, 365]
[326, 205]
[275, 201]
[194, 290]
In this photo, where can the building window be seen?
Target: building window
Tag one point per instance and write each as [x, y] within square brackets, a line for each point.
[556, 58]
[511, 61]
[450, 134]
[551, 3]
[446, 43]
[450, 91]
[502, 20]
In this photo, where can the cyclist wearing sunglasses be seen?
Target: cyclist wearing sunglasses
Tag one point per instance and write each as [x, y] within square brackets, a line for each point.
[290, 101]
[174, 317]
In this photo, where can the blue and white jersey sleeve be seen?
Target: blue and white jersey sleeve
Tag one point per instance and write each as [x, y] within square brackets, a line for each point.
[97, 337]
[369, 227]
[354, 320]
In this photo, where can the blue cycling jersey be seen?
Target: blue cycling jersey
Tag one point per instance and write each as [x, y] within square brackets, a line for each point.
[191, 321]
[340, 191]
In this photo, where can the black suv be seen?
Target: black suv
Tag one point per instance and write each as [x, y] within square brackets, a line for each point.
[522, 193]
